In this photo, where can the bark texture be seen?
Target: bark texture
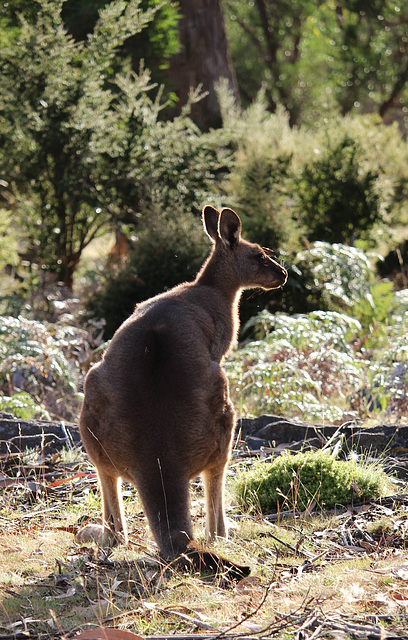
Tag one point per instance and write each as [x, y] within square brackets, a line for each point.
[203, 59]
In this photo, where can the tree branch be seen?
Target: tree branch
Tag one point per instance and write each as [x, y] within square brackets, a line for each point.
[396, 91]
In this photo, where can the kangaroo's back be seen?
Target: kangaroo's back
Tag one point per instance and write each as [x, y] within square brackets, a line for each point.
[157, 410]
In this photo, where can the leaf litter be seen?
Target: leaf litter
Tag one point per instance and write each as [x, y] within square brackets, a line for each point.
[341, 575]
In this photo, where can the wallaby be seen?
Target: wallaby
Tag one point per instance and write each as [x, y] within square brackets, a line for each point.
[157, 411]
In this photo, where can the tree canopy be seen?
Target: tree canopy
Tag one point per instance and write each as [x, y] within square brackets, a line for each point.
[350, 55]
[88, 142]
[81, 136]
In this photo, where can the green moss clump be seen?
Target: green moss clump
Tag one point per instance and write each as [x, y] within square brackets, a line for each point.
[295, 481]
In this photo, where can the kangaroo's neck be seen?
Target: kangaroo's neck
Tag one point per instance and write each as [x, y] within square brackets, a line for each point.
[223, 306]
[217, 276]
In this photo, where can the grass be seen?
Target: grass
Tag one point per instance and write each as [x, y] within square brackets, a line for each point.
[298, 481]
[347, 567]
[50, 584]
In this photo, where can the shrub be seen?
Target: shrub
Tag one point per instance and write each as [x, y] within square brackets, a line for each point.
[339, 193]
[45, 363]
[22, 405]
[328, 365]
[394, 265]
[302, 366]
[297, 481]
[168, 251]
[257, 185]
[340, 273]
[339, 180]
[349, 179]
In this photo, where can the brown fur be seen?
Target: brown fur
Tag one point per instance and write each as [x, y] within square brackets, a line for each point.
[157, 410]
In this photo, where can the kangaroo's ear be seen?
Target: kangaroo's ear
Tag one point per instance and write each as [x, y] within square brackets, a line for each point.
[210, 222]
[229, 227]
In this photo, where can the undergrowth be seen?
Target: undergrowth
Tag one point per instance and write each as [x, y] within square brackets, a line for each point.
[348, 361]
[52, 586]
[41, 367]
[307, 480]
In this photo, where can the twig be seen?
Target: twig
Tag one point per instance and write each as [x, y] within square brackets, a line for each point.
[186, 618]
[309, 563]
[306, 554]
[311, 619]
[250, 615]
[316, 632]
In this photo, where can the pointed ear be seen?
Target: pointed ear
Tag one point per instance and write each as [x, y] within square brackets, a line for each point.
[229, 227]
[210, 222]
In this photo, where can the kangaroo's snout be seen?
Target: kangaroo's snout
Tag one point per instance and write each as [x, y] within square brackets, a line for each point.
[278, 273]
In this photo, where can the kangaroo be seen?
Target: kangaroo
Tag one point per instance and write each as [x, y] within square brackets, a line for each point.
[157, 411]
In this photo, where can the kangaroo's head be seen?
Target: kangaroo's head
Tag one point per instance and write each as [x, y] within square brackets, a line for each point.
[242, 264]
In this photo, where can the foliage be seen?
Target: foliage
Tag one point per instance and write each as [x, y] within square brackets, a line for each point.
[154, 45]
[8, 240]
[335, 181]
[84, 148]
[270, 36]
[22, 405]
[394, 264]
[343, 274]
[342, 191]
[299, 481]
[376, 306]
[316, 58]
[167, 251]
[58, 110]
[175, 166]
[303, 366]
[257, 183]
[387, 343]
[326, 365]
[45, 362]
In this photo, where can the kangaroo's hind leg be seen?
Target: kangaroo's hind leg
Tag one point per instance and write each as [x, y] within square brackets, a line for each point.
[96, 442]
[113, 528]
[214, 482]
[215, 472]
[112, 505]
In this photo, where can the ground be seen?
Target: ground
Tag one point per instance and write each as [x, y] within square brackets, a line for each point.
[341, 575]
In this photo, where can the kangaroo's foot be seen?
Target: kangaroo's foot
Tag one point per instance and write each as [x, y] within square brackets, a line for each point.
[207, 562]
[103, 536]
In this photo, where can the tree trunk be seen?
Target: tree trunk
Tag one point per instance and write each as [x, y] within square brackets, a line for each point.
[203, 59]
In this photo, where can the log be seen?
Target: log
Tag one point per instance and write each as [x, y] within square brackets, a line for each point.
[17, 434]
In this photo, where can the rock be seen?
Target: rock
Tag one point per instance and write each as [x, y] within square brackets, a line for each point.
[277, 430]
[386, 439]
[255, 444]
[17, 435]
[278, 433]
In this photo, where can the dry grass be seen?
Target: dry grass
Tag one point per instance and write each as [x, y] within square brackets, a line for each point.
[304, 572]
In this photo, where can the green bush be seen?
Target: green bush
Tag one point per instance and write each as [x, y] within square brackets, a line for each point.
[350, 179]
[329, 365]
[43, 365]
[257, 185]
[339, 195]
[341, 180]
[394, 264]
[341, 274]
[22, 405]
[297, 481]
[168, 251]
[302, 366]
